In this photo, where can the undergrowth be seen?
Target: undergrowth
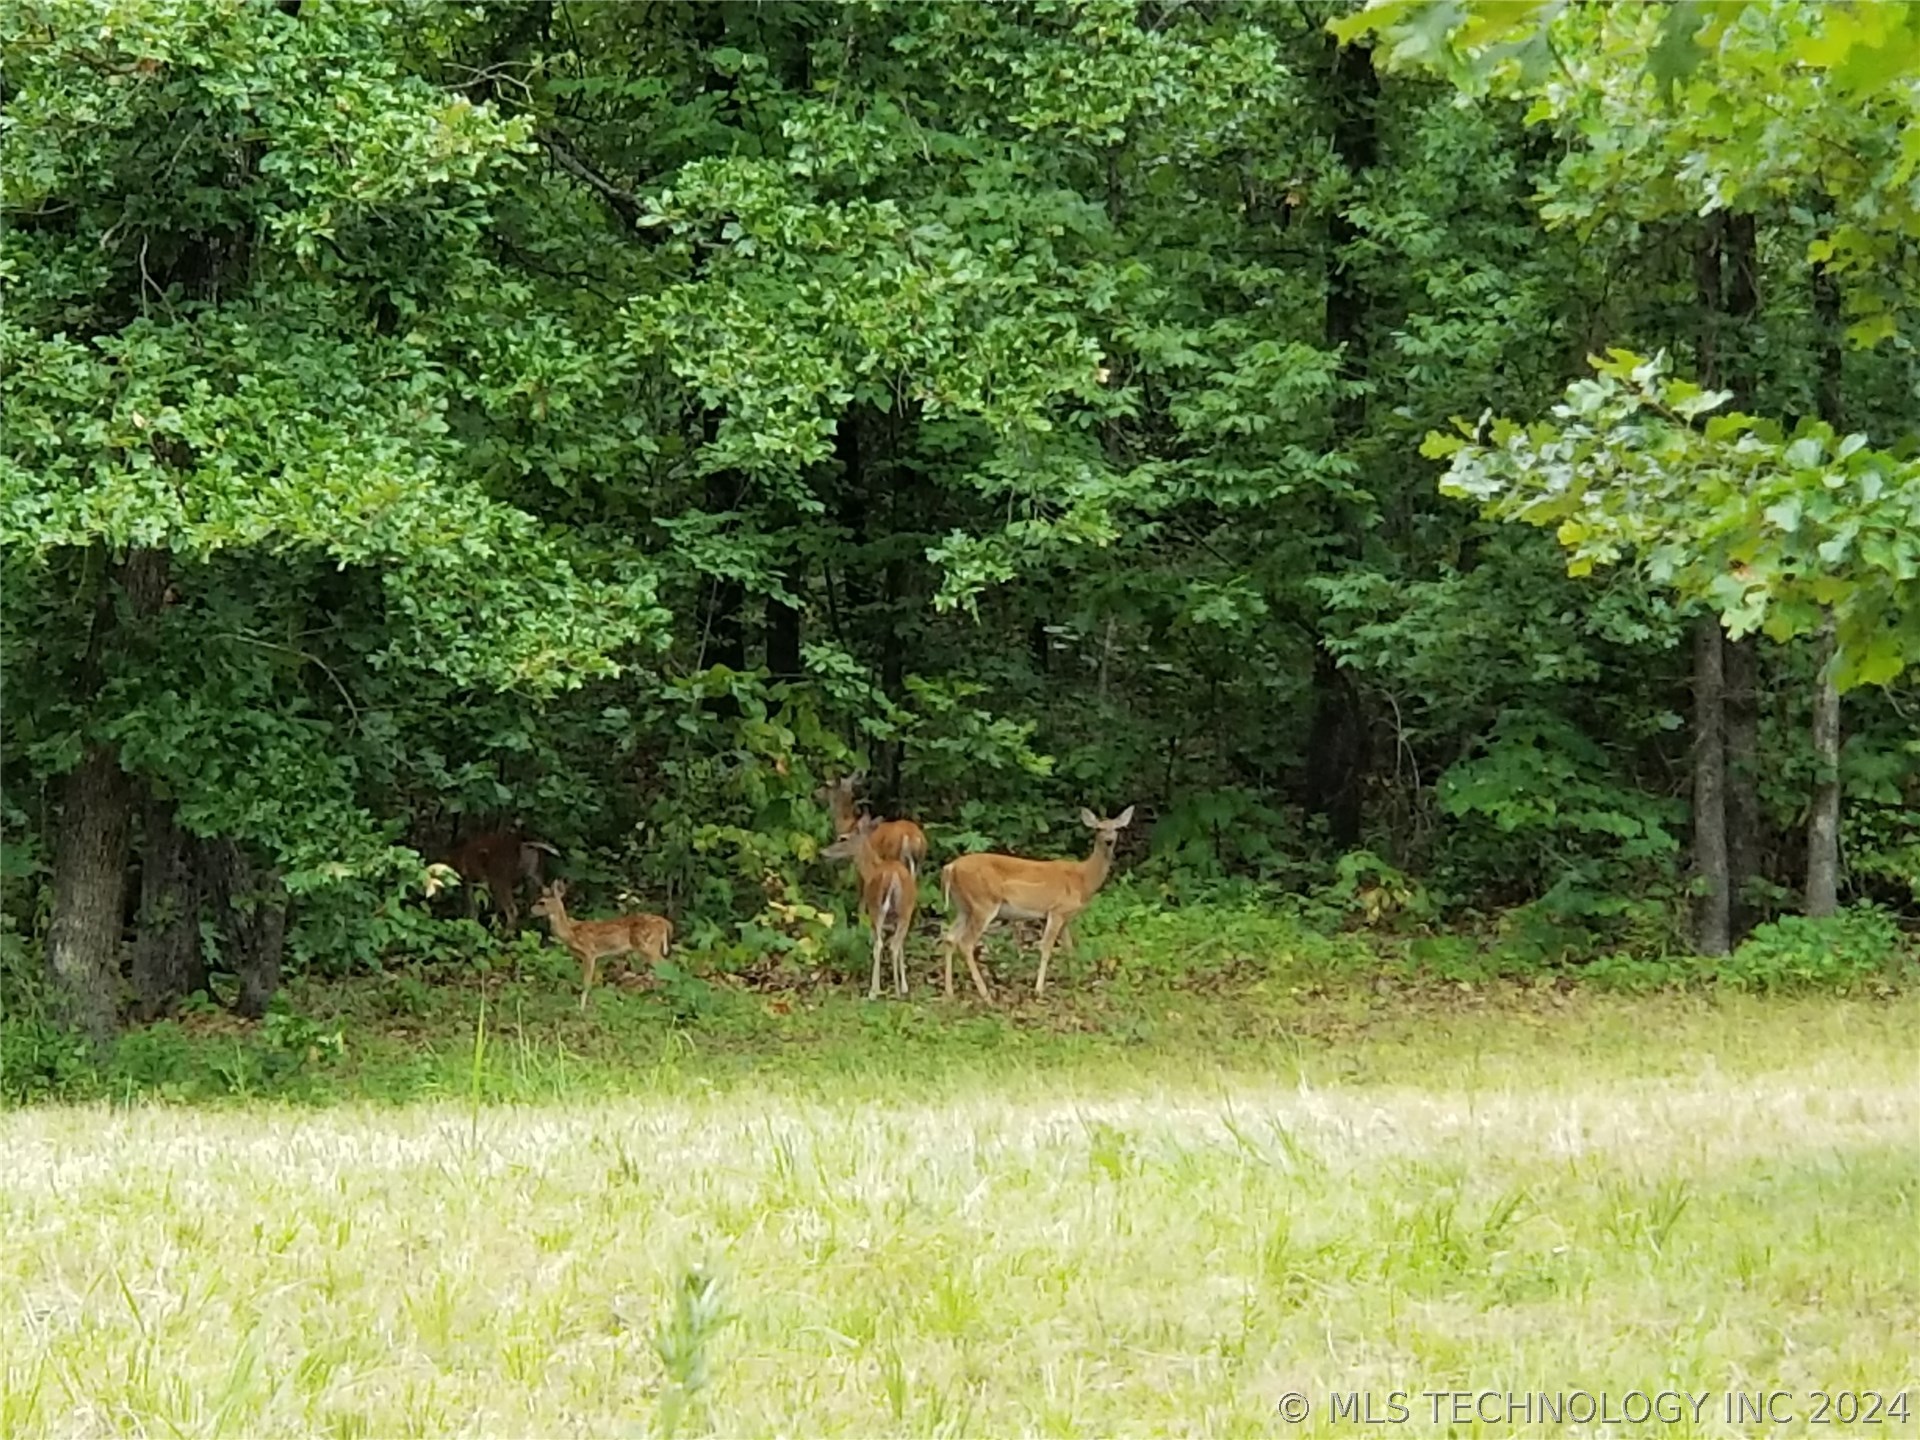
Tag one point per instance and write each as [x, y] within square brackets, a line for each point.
[1232, 971]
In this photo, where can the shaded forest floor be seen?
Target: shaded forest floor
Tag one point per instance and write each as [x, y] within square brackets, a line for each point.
[1133, 1208]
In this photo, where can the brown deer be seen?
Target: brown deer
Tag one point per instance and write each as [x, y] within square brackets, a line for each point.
[979, 889]
[901, 841]
[887, 897]
[589, 940]
[502, 861]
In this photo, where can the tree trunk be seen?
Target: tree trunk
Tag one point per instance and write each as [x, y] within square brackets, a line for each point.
[249, 905]
[1823, 824]
[90, 834]
[1740, 666]
[89, 893]
[167, 961]
[1738, 277]
[783, 630]
[1336, 752]
[1712, 912]
[1337, 735]
[1726, 822]
[1823, 819]
[893, 678]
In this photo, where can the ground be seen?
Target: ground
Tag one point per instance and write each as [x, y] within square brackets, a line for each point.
[1251, 1209]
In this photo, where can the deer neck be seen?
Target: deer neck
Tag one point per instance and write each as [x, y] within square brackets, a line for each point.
[560, 923]
[1093, 869]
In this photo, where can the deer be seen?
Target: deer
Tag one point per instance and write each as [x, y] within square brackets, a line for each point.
[979, 889]
[897, 840]
[888, 894]
[589, 940]
[502, 861]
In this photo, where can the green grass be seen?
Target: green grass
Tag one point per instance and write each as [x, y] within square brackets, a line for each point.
[1136, 1208]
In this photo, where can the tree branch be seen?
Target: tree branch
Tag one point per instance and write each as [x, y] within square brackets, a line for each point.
[622, 202]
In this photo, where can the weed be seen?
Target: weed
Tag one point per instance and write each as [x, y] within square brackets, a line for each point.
[1837, 953]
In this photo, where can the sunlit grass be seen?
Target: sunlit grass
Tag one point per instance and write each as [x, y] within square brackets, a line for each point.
[1074, 1235]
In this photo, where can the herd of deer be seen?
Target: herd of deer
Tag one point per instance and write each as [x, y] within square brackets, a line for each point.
[886, 854]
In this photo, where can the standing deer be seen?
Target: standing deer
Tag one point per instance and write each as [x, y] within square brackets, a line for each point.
[503, 861]
[979, 889]
[897, 840]
[887, 896]
[589, 940]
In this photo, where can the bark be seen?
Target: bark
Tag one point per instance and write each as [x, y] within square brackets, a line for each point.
[783, 631]
[249, 904]
[1823, 824]
[167, 961]
[1708, 294]
[893, 675]
[1745, 841]
[1712, 913]
[1740, 673]
[1336, 752]
[726, 640]
[1337, 735]
[1823, 819]
[1040, 646]
[91, 831]
[89, 891]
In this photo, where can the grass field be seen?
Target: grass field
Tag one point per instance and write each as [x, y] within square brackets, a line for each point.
[1185, 1213]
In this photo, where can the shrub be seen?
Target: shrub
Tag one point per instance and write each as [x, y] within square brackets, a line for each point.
[1839, 952]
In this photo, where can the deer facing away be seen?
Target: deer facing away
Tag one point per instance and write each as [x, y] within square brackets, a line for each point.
[887, 898]
[591, 940]
[897, 840]
[979, 889]
[502, 861]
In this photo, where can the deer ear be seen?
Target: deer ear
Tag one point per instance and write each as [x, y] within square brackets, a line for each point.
[1121, 820]
[1089, 819]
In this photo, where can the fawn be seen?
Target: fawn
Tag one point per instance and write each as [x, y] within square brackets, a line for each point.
[589, 940]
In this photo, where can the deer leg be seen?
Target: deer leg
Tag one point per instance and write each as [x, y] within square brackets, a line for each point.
[979, 980]
[879, 947]
[1054, 926]
[586, 981]
[964, 935]
[900, 960]
[949, 942]
[976, 928]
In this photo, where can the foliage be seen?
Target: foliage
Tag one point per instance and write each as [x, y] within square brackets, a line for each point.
[1774, 530]
[1702, 107]
[617, 421]
[1839, 952]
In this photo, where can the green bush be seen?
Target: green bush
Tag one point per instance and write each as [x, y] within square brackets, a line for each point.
[42, 1061]
[1796, 953]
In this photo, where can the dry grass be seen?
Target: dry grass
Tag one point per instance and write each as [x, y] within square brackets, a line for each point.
[1066, 1251]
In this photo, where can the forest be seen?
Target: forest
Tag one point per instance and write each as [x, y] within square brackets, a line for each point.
[609, 424]
[771, 717]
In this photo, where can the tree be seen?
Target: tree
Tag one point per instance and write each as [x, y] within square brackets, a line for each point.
[1757, 104]
[220, 390]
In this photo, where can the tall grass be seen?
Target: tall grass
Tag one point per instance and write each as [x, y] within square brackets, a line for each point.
[1114, 1240]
